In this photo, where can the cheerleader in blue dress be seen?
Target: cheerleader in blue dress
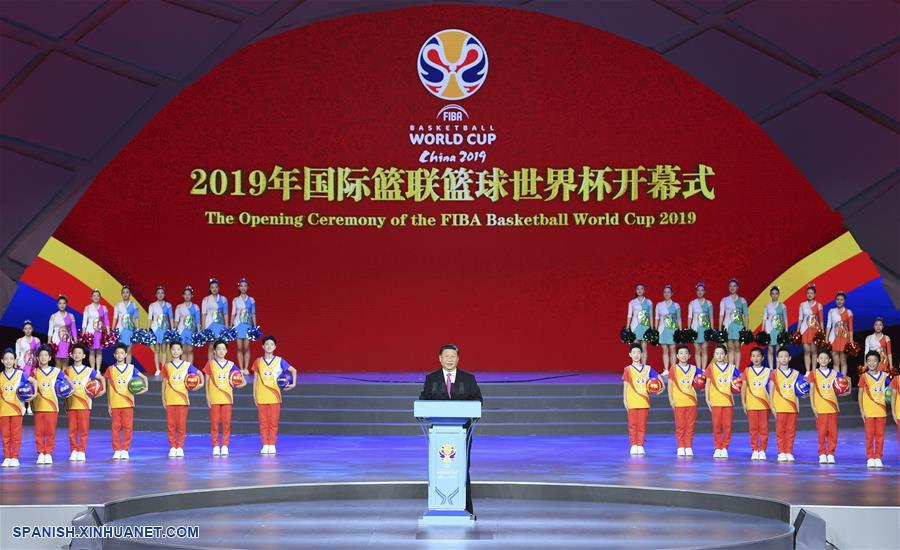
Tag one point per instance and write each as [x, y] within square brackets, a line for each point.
[214, 310]
[774, 322]
[161, 320]
[733, 311]
[668, 319]
[700, 317]
[125, 320]
[640, 317]
[243, 318]
[187, 322]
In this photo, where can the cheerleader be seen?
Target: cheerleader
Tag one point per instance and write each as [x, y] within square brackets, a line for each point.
[733, 317]
[125, 320]
[94, 322]
[810, 322]
[10, 410]
[878, 341]
[243, 318]
[26, 353]
[668, 318]
[775, 322]
[187, 321]
[700, 315]
[640, 317]
[160, 313]
[62, 332]
[214, 309]
[840, 331]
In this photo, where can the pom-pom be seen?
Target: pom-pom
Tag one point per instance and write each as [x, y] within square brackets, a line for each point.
[229, 334]
[86, 339]
[853, 349]
[796, 338]
[678, 337]
[711, 335]
[110, 338]
[785, 339]
[627, 335]
[54, 347]
[201, 338]
[722, 336]
[763, 338]
[651, 336]
[822, 343]
[745, 336]
[688, 336]
[144, 337]
[254, 333]
[171, 336]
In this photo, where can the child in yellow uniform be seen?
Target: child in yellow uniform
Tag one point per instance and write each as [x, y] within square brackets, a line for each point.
[267, 394]
[219, 396]
[719, 375]
[755, 401]
[79, 404]
[683, 399]
[782, 389]
[175, 398]
[825, 405]
[873, 408]
[12, 408]
[121, 401]
[637, 398]
[46, 405]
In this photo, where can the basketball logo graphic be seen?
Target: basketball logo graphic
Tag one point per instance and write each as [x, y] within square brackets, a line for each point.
[452, 64]
[447, 453]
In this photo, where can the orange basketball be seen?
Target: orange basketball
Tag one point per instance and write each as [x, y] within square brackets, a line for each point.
[699, 382]
[842, 385]
[236, 378]
[736, 384]
[93, 388]
[655, 386]
[191, 381]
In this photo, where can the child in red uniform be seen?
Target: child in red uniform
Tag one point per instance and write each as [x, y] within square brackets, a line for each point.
[756, 404]
[719, 375]
[637, 398]
[825, 405]
[11, 407]
[175, 398]
[220, 396]
[46, 405]
[267, 394]
[873, 408]
[683, 399]
[120, 402]
[79, 404]
[782, 389]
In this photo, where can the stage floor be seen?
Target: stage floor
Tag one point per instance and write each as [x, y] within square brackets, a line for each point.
[323, 459]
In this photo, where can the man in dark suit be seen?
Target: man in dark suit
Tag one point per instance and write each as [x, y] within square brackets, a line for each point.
[450, 383]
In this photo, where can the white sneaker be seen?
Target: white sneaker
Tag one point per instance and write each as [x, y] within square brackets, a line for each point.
[124, 455]
[790, 457]
[264, 450]
[718, 453]
[870, 463]
[688, 452]
[724, 453]
[680, 451]
[755, 455]
[761, 455]
[14, 463]
[641, 450]
[29, 412]
[831, 459]
[224, 450]
[271, 449]
[40, 459]
[782, 457]
[6, 462]
[81, 456]
[823, 459]
[172, 452]
[179, 452]
[117, 455]
[879, 463]
[48, 459]
[633, 450]
[217, 451]
[74, 456]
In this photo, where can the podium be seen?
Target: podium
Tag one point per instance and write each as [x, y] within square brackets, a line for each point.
[444, 423]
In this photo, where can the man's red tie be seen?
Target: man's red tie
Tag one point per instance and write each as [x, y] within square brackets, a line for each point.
[449, 384]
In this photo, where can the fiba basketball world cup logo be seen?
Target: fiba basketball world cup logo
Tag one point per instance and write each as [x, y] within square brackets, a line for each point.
[447, 453]
[452, 64]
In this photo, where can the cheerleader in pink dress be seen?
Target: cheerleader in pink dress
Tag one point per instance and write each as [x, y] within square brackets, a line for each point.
[810, 321]
[62, 332]
[26, 354]
[840, 331]
[95, 322]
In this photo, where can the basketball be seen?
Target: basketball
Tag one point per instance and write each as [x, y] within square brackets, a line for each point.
[801, 387]
[655, 386]
[135, 385]
[284, 380]
[699, 382]
[25, 392]
[236, 378]
[93, 388]
[842, 385]
[191, 381]
[736, 383]
[63, 388]
[888, 394]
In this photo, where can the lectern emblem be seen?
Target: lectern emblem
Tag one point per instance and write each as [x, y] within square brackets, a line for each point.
[447, 453]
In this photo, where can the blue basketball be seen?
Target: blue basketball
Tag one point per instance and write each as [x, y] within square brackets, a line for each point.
[801, 387]
[63, 388]
[25, 392]
[284, 380]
